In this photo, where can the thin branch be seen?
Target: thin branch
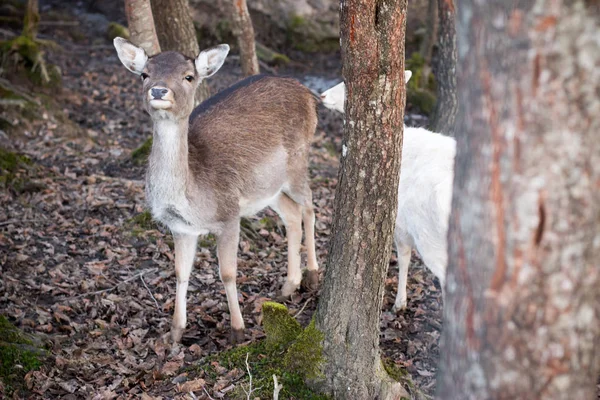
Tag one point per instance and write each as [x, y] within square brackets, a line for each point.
[148, 271]
[151, 295]
[303, 307]
[249, 392]
[277, 388]
[206, 391]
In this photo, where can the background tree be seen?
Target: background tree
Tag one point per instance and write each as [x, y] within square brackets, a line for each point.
[366, 198]
[522, 307]
[176, 32]
[244, 31]
[429, 39]
[141, 25]
[444, 114]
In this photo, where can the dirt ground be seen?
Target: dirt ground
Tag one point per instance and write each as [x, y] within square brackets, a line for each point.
[81, 266]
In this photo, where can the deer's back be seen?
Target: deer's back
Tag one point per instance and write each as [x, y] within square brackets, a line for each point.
[245, 136]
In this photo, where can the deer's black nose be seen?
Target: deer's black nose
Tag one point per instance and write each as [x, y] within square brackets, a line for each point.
[158, 93]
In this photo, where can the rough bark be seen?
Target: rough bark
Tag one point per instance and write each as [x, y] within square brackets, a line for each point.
[31, 20]
[141, 25]
[444, 114]
[522, 306]
[426, 48]
[244, 32]
[365, 202]
[175, 31]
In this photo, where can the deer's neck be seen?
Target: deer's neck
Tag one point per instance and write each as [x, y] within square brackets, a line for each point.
[168, 166]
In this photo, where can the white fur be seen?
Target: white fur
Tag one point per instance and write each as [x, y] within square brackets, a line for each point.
[132, 57]
[424, 195]
[209, 61]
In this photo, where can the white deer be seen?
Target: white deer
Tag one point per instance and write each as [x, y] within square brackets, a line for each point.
[424, 196]
[238, 152]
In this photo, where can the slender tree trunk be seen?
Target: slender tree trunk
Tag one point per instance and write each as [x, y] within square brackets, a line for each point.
[243, 30]
[175, 30]
[141, 25]
[522, 306]
[426, 49]
[31, 20]
[349, 308]
[444, 115]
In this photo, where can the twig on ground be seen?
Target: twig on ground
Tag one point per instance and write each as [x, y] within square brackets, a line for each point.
[303, 307]
[131, 278]
[206, 391]
[151, 295]
[249, 392]
[277, 388]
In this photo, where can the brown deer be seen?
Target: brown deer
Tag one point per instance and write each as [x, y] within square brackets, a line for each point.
[238, 152]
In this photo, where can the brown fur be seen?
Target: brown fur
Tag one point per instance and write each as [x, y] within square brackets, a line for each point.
[232, 137]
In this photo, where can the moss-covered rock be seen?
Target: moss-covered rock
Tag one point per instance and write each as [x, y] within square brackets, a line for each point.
[140, 155]
[422, 99]
[311, 36]
[14, 169]
[27, 53]
[116, 30]
[280, 327]
[270, 56]
[19, 354]
[305, 355]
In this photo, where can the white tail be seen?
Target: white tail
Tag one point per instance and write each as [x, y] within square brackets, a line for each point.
[240, 151]
[424, 196]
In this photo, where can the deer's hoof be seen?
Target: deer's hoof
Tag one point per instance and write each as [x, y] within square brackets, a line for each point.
[399, 307]
[311, 281]
[176, 334]
[237, 336]
[288, 289]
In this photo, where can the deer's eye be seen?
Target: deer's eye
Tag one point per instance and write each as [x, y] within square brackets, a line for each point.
[144, 76]
[189, 78]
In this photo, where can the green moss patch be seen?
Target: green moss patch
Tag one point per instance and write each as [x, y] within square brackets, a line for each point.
[281, 329]
[140, 155]
[14, 172]
[19, 354]
[116, 30]
[289, 352]
[420, 91]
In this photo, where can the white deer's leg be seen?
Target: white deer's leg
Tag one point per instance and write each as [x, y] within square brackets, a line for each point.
[227, 245]
[185, 251]
[403, 263]
[291, 214]
[308, 217]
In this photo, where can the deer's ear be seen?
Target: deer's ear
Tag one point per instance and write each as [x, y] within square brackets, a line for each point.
[132, 57]
[407, 75]
[209, 61]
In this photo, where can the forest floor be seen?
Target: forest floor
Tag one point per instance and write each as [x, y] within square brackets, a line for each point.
[83, 267]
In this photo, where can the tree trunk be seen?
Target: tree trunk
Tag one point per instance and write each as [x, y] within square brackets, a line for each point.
[426, 48]
[444, 115]
[141, 25]
[349, 308]
[522, 306]
[176, 32]
[243, 30]
[31, 20]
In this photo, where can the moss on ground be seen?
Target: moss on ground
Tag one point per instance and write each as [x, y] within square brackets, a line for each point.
[26, 54]
[19, 354]
[401, 375]
[281, 329]
[293, 360]
[143, 221]
[140, 155]
[116, 30]
[14, 170]
[420, 91]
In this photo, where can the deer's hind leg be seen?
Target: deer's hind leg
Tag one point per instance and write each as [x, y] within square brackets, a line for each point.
[302, 195]
[291, 214]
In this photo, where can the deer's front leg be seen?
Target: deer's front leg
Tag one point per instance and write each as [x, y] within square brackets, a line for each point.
[185, 251]
[227, 244]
